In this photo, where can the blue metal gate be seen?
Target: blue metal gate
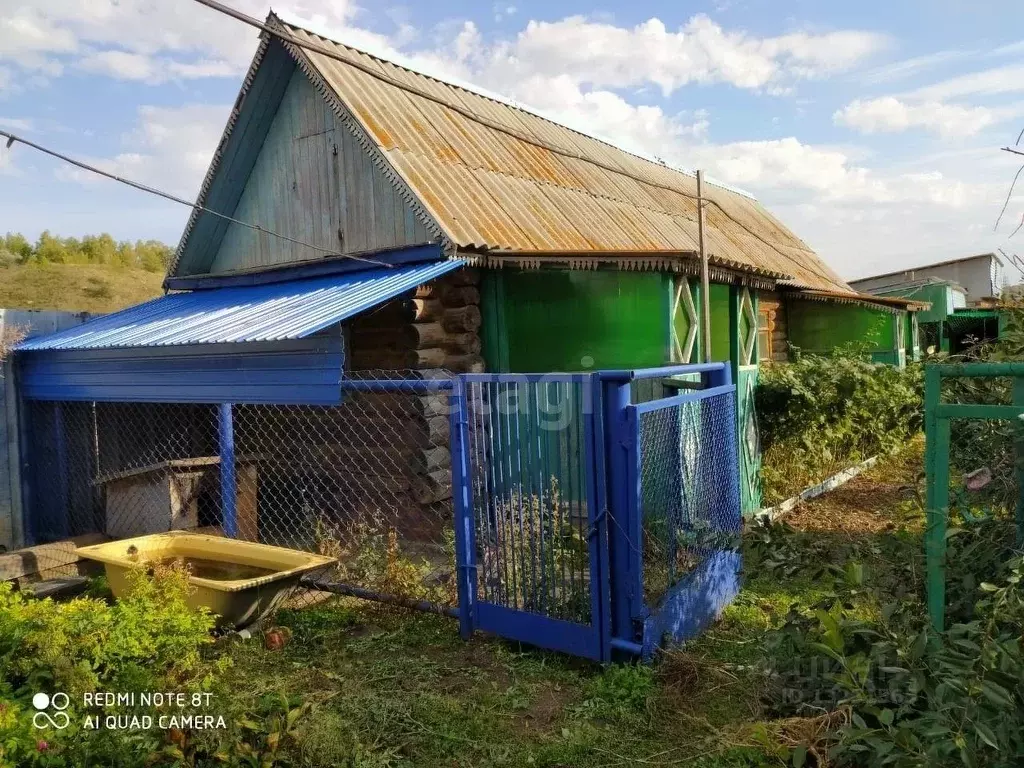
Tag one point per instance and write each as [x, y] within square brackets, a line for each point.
[528, 525]
[684, 510]
[589, 523]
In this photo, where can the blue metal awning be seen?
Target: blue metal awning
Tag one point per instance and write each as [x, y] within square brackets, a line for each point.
[254, 344]
[274, 312]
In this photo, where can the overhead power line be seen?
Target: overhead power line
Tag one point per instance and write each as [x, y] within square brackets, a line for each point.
[1009, 195]
[12, 138]
[326, 51]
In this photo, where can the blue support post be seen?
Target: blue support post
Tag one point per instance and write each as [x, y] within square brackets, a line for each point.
[717, 377]
[599, 563]
[465, 533]
[228, 494]
[615, 394]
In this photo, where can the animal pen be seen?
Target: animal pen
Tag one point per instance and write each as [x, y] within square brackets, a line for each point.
[596, 514]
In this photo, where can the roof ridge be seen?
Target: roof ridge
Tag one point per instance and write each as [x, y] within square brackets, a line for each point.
[497, 98]
[324, 42]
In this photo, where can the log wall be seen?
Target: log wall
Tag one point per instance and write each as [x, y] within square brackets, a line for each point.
[435, 326]
[771, 305]
[433, 329]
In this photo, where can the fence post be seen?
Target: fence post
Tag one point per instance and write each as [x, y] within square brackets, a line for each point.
[599, 567]
[936, 464]
[229, 499]
[465, 533]
[1018, 444]
[616, 397]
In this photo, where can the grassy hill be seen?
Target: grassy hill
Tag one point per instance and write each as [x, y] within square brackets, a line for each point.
[76, 287]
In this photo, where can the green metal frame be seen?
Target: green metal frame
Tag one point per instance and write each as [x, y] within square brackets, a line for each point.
[937, 416]
[743, 357]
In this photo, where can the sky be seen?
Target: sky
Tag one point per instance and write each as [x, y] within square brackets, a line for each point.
[871, 129]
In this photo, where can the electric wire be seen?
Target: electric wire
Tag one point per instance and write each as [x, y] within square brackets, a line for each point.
[14, 138]
[326, 51]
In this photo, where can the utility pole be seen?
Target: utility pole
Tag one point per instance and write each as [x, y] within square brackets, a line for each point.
[705, 299]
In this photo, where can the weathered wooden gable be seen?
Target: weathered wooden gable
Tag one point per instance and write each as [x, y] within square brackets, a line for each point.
[313, 182]
[298, 171]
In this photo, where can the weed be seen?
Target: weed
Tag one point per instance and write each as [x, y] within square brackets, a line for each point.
[537, 554]
[818, 415]
[621, 690]
[369, 553]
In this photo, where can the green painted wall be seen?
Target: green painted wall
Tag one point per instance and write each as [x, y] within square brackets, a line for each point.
[553, 320]
[721, 335]
[940, 296]
[818, 327]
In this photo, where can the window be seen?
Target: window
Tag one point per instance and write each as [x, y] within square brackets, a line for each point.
[765, 328]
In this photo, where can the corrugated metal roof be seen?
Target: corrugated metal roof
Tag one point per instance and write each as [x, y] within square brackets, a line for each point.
[498, 177]
[894, 302]
[289, 310]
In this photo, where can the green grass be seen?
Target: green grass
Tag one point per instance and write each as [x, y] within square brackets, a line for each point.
[76, 287]
[397, 689]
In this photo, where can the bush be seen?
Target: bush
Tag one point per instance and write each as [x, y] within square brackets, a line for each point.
[150, 640]
[914, 697]
[820, 414]
[987, 444]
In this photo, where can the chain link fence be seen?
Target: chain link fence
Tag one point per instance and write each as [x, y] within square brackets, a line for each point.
[367, 481]
[687, 486]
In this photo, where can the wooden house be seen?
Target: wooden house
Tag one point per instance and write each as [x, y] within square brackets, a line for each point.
[564, 253]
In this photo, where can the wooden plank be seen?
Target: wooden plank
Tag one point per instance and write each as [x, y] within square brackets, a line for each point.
[246, 507]
[45, 557]
[171, 464]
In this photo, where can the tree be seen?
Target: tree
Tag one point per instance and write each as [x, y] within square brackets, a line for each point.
[18, 246]
[50, 248]
[102, 249]
[99, 249]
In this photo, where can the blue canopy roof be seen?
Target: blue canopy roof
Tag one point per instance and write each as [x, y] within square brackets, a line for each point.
[278, 311]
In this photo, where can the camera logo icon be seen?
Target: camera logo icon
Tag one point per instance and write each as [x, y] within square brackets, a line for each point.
[44, 702]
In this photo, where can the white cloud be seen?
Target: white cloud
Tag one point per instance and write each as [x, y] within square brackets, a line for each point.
[1011, 49]
[908, 67]
[589, 72]
[640, 128]
[989, 82]
[156, 40]
[147, 40]
[610, 56]
[792, 169]
[119, 64]
[6, 166]
[168, 148]
[16, 124]
[152, 69]
[891, 115]
[503, 11]
[28, 37]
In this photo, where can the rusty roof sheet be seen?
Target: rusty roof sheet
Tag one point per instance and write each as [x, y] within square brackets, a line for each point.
[498, 177]
[894, 302]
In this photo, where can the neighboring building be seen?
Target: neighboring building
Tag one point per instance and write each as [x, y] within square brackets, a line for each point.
[981, 277]
[387, 183]
[949, 325]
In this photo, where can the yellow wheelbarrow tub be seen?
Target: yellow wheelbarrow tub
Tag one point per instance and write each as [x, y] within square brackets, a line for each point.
[236, 601]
